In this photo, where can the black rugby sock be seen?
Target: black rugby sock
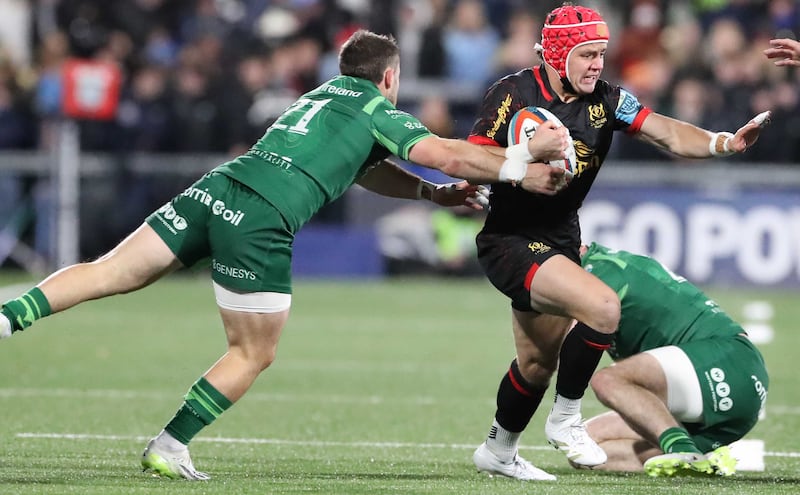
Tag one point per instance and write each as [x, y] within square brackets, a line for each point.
[517, 400]
[580, 354]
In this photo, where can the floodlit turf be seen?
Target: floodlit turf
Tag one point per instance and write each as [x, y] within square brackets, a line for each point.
[379, 388]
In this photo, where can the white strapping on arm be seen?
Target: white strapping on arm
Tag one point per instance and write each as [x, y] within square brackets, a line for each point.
[718, 145]
[519, 152]
[513, 171]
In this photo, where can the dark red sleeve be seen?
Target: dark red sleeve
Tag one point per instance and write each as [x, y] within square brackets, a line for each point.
[637, 122]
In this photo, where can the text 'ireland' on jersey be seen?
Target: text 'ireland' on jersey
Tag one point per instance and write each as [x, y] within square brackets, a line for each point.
[322, 144]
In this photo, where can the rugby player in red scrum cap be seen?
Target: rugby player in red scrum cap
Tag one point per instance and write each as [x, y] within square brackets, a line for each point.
[529, 245]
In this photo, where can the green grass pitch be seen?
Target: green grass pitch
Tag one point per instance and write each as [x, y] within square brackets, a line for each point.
[379, 388]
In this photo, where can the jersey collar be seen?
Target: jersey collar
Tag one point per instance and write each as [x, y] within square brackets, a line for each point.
[540, 74]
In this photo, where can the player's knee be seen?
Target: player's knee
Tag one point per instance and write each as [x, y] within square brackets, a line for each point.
[253, 356]
[605, 383]
[263, 356]
[606, 313]
[264, 360]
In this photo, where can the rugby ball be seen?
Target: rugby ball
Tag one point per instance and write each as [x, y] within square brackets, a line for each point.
[524, 124]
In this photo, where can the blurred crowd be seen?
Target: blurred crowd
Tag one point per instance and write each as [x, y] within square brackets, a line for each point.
[211, 75]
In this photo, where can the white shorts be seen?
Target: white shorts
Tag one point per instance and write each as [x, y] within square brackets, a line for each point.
[252, 302]
[684, 397]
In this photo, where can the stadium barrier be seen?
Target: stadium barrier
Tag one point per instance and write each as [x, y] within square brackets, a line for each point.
[716, 223]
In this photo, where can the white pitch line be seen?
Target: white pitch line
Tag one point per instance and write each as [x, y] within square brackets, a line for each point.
[265, 441]
[301, 443]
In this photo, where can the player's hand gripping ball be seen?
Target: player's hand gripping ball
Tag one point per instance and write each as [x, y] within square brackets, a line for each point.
[524, 124]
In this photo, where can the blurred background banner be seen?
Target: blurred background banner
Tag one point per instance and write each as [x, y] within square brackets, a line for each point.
[746, 238]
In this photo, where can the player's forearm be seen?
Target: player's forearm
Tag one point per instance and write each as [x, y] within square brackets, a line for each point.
[682, 138]
[477, 165]
[694, 142]
[389, 179]
[465, 160]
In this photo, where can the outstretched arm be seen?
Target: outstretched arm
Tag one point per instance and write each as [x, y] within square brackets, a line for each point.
[689, 141]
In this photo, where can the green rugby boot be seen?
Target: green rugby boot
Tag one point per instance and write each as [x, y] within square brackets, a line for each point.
[678, 463]
[169, 463]
[722, 461]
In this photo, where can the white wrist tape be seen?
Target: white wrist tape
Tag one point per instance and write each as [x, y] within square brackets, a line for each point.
[513, 170]
[519, 152]
[718, 145]
[762, 119]
[425, 185]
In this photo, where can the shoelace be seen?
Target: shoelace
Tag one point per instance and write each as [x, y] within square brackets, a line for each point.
[578, 432]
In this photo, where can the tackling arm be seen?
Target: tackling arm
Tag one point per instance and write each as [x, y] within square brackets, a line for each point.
[479, 165]
[389, 179]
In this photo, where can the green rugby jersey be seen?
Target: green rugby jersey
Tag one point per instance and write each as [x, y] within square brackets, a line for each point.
[659, 308]
[322, 144]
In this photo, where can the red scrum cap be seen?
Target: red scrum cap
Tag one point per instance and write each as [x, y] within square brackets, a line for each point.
[567, 28]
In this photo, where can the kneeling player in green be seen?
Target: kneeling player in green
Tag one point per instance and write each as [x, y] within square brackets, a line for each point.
[686, 381]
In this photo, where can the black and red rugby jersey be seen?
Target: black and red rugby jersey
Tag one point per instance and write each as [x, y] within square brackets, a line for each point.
[591, 120]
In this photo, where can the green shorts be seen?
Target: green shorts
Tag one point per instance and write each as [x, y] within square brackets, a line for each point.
[733, 381]
[247, 240]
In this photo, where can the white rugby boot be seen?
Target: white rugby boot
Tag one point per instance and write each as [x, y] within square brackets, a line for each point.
[5, 327]
[518, 468]
[569, 435]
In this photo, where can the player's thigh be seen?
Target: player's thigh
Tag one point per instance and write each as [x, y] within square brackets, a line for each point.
[139, 259]
[610, 426]
[182, 223]
[538, 276]
[642, 370]
[250, 243]
[680, 389]
[511, 262]
[561, 284]
[254, 333]
[246, 238]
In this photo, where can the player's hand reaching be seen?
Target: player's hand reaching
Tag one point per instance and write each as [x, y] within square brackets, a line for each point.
[541, 178]
[748, 134]
[549, 142]
[786, 51]
[461, 194]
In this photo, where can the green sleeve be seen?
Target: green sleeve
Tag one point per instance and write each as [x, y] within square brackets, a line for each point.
[394, 129]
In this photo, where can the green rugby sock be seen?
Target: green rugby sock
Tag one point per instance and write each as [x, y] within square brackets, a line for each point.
[677, 440]
[202, 405]
[26, 309]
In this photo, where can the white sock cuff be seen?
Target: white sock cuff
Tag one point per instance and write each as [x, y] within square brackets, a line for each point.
[566, 407]
[5, 327]
[503, 443]
[169, 442]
